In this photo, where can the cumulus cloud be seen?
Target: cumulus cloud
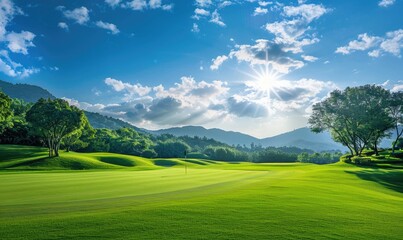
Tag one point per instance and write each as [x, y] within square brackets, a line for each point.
[7, 12]
[309, 58]
[266, 52]
[200, 12]
[307, 12]
[79, 15]
[14, 69]
[216, 18]
[113, 3]
[108, 26]
[63, 25]
[391, 43]
[218, 61]
[264, 4]
[286, 95]
[19, 42]
[203, 3]
[195, 28]
[225, 4]
[260, 11]
[131, 90]
[292, 32]
[386, 3]
[187, 102]
[139, 5]
[364, 42]
[16, 42]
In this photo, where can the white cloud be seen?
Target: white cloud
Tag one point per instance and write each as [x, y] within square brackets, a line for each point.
[225, 4]
[63, 25]
[391, 43]
[155, 4]
[386, 3]
[137, 4]
[13, 69]
[131, 90]
[309, 58]
[203, 3]
[264, 4]
[397, 88]
[293, 32]
[260, 11]
[20, 42]
[308, 12]
[16, 42]
[79, 15]
[218, 61]
[113, 3]
[216, 18]
[199, 12]
[364, 42]
[7, 12]
[266, 52]
[108, 26]
[195, 28]
[140, 5]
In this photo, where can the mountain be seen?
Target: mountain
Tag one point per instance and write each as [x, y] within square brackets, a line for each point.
[302, 138]
[100, 121]
[27, 92]
[228, 137]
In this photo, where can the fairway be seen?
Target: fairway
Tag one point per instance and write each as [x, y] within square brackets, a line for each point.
[218, 201]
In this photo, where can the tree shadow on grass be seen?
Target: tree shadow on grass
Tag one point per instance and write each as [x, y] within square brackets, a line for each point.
[390, 179]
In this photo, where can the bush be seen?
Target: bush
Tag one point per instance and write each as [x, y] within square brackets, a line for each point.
[397, 155]
[361, 160]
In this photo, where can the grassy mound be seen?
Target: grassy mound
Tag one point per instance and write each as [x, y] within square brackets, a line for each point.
[31, 158]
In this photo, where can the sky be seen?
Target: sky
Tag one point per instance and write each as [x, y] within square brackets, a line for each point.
[252, 66]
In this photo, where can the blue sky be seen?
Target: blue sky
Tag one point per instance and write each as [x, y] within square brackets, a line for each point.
[251, 66]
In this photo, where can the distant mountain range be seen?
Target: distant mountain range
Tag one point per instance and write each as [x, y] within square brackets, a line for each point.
[302, 138]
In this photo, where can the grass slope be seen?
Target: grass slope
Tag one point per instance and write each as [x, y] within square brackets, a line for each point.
[214, 201]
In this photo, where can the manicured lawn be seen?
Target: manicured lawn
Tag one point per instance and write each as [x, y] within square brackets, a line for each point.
[212, 201]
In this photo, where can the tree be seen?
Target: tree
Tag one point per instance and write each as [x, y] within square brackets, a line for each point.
[396, 112]
[53, 120]
[79, 138]
[5, 111]
[356, 117]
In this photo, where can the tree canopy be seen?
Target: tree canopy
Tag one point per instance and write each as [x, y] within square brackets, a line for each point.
[358, 117]
[53, 120]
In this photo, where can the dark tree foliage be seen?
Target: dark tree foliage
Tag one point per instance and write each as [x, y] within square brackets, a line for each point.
[227, 154]
[5, 112]
[171, 148]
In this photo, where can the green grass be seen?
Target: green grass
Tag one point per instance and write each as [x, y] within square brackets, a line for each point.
[212, 201]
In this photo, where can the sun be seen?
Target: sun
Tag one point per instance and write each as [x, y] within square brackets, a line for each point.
[264, 80]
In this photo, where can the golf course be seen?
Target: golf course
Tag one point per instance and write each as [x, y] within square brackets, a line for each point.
[112, 196]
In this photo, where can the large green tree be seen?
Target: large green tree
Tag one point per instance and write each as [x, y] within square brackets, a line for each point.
[5, 111]
[396, 112]
[356, 117]
[53, 120]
